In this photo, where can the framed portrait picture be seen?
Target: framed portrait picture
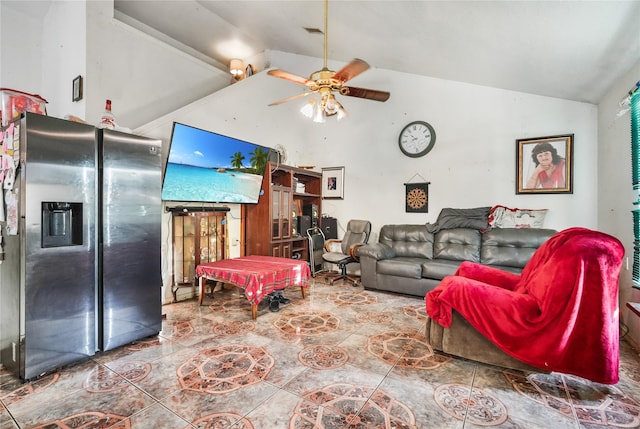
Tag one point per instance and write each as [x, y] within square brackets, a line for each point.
[333, 183]
[76, 94]
[544, 165]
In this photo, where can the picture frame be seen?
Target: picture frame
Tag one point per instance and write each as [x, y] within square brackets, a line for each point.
[76, 93]
[333, 183]
[544, 165]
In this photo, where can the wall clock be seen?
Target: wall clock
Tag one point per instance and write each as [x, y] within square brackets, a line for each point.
[417, 139]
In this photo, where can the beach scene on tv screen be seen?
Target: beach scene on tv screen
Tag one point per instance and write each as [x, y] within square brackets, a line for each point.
[203, 166]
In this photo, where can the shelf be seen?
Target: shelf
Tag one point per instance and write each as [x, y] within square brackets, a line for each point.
[634, 307]
[305, 195]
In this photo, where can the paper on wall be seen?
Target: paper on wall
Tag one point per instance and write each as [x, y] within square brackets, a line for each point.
[11, 200]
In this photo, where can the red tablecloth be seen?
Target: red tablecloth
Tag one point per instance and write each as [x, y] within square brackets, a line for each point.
[258, 276]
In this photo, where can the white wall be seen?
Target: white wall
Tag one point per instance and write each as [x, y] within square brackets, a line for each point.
[472, 163]
[46, 44]
[144, 78]
[615, 190]
[21, 46]
[43, 48]
[64, 56]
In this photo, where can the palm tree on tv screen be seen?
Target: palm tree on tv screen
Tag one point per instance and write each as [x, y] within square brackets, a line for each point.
[258, 159]
[236, 160]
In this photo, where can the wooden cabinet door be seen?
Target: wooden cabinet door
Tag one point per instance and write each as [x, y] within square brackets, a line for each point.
[276, 251]
[285, 213]
[281, 250]
[281, 213]
[286, 250]
[276, 224]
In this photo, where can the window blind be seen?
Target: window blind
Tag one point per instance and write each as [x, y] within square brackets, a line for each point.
[635, 161]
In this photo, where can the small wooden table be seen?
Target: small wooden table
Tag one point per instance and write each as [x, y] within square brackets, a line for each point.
[258, 276]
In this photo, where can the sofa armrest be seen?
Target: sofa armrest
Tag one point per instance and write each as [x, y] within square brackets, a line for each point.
[353, 251]
[376, 251]
[488, 275]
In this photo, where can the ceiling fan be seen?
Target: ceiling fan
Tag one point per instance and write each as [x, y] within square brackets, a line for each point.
[326, 82]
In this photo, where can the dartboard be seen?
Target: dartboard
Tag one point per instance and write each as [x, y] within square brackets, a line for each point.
[416, 198]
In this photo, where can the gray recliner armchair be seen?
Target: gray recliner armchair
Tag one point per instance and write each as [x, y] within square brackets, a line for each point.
[356, 235]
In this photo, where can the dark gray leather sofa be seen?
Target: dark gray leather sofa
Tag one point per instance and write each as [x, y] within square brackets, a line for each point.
[411, 260]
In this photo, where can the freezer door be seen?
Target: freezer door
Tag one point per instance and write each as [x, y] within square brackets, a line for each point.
[58, 307]
[131, 280]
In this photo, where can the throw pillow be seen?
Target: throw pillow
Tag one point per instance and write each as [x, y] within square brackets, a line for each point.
[506, 217]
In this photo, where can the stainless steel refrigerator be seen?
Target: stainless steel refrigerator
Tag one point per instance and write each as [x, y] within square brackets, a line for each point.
[82, 242]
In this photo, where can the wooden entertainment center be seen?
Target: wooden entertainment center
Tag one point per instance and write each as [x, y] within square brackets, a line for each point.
[292, 196]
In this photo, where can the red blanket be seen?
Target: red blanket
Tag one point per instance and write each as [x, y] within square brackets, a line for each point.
[560, 314]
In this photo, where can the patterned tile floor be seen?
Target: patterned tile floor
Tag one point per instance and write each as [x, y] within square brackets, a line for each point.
[342, 358]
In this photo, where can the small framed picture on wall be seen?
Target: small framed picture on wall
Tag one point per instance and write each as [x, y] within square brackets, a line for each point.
[76, 91]
[333, 183]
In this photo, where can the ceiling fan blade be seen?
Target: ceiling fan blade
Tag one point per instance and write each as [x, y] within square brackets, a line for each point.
[369, 94]
[288, 76]
[351, 70]
[304, 94]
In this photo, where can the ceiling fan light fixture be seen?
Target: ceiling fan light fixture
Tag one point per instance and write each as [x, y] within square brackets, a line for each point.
[318, 114]
[330, 105]
[341, 112]
[308, 108]
[236, 67]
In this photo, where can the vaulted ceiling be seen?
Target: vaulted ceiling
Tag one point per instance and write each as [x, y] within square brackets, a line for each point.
[567, 49]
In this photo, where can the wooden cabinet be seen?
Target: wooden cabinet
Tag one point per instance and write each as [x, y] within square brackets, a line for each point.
[281, 216]
[271, 225]
[198, 237]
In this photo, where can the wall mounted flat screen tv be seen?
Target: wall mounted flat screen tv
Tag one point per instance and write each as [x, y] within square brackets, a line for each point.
[203, 166]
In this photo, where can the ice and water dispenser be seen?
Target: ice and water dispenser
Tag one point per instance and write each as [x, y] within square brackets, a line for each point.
[61, 224]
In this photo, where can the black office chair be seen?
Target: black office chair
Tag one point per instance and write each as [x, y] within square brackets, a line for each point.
[356, 234]
[316, 240]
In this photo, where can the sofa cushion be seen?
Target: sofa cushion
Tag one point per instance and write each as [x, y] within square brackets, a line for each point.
[458, 244]
[413, 241]
[401, 267]
[439, 268]
[511, 247]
